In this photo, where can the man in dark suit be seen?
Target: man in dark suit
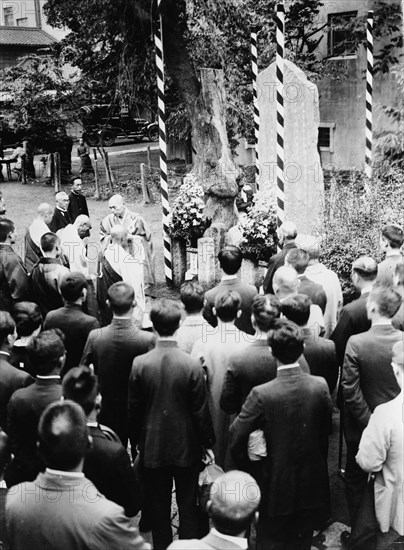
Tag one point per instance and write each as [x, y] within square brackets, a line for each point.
[299, 260]
[232, 508]
[170, 422]
[14, 282]
[295, 413]
[106, 463]
[71, 320]
[319, 352]
[11, 378]
[353, 318]
[287, 234]
[254, 364]
[368, 381]
[230, 259]
[46, 353]
[112, 350]
[61, 216]
[391, 240]
[77, 201]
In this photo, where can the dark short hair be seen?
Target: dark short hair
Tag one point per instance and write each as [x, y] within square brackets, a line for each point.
[297, 309]
[298, 258]
[387, 299]
[121, 297]
[45, 350]
[6, 227]
[394, 235]
[7, 326]
[27, 317]
[5, 451]
[399, 271]
[286, 341]
[63, 435]
[72, 285]
[230, 258]
[80, 385]
[192, 296]
[265, 308]
[166, 315]
[49, 241]
[227, 304]
[366, 268]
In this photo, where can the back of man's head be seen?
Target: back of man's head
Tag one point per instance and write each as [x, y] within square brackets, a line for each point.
[6, 227]
[49, 241]
[298, 259]
[72, 285]
[385, 299]
[311, 244]
[297, 309]
[366, 268]
[166, 316]
[227, 305]
[46, 352]
[287, 231]
[265, 309]
[234, 501]
[7, 327]
[63, 435]
[121, 298]
[285, 281]
[192, 296]
[286, 341]
[80, 385]
[27, 317]
[394, 235]
[230, 258]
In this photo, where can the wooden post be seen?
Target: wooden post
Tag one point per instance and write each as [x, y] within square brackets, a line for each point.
[110, 176]
[23, 170]
[148, 158]
[145, 189]
[58, 173]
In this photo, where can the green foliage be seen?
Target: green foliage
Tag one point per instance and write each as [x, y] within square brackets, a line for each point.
[186, 219]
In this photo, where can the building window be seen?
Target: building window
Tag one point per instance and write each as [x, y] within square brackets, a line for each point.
[340, 42]
[8, 16]
[326, 136]
[22, 22]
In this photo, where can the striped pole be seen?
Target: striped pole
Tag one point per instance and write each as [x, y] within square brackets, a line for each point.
[254, 66]
[280, 113]
[369, 95]
[163, 152]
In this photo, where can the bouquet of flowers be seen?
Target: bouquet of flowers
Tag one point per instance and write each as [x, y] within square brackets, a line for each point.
[186, 220]
[259, 229]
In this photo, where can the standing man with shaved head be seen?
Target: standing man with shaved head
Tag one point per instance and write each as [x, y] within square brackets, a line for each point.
[287, 234]
[138, 231]
[61, 216]
[34, 233]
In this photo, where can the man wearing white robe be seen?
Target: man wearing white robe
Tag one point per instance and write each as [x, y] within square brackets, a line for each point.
[34, 233]
[73, 238]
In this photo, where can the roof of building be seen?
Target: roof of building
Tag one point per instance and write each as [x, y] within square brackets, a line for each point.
[25, 36]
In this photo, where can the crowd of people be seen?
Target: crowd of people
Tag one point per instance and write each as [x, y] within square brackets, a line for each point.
[106, 401]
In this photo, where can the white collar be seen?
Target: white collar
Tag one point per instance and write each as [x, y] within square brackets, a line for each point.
[239, 541]
[366, 290]
[393, 252]
[5, 353]
[51, 377]
[229, 277]
[61, 473]
[292, 366]
[92, 424]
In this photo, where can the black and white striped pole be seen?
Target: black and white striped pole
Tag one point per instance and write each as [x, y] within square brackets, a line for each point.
[158, 40]
[254, 67]
[369, 95]
[280, 113]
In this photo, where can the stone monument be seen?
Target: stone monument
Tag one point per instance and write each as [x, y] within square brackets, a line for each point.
[303, 175]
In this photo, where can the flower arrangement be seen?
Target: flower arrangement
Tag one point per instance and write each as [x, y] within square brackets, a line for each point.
[186, 220]
[259, 229]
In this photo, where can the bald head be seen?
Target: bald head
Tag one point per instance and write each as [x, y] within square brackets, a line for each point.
[118, 233]
[287, 232]
[285, 281]
[45, 212]
[83, 225]
[117, 205]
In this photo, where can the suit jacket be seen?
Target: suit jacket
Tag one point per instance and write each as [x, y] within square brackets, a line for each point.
[76, 327]
[295, 413]
[24, 410]
[59, 220]
[45, 282]
[11, 379]
[112, 350]
[72, 514]
[210, 542]
[353, 320]
[277, 260]
[314, 291]
[77, 206]
[249, 367]
[168, 407]
[247, 293]
[367, 377]
[14, 282]
[321, 356]
[386, 268]
[108, 466]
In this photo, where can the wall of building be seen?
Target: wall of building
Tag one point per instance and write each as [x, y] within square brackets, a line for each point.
[24, 13]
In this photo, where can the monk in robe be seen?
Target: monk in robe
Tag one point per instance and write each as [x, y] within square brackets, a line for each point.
[136, 227]
[118, 265]
[34, 233]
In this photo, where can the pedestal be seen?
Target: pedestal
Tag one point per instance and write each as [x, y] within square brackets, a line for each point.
[179, 261]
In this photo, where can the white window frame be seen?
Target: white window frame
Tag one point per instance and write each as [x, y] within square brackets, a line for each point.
[331, 126]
